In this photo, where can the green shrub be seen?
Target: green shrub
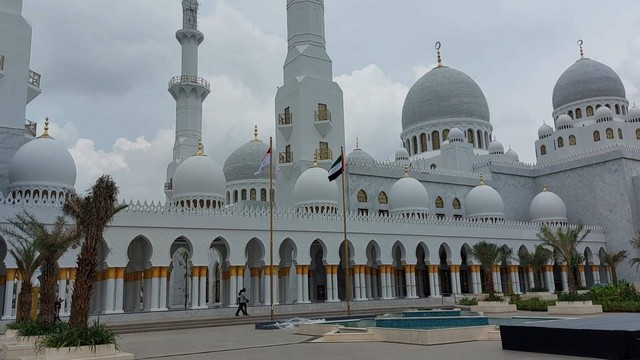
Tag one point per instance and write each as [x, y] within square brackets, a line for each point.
[468, 301]
[533, 304]
[493, 298]
[619, 306]
[37, 328]
[13, 326]
[538, 289]
[621, 291]
[65, 336]
[574, 297]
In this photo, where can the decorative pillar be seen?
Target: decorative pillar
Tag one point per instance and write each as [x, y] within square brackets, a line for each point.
[109, 275]
[595, 270]
[355, 285]
[565, 280]
[8, 295]
[609, 276]
[434, 276]
[255, 285]
[334, 281]
[548, 278]
[515, 279]
[497, 280]
[367, 283]
[383, 282]
[195, 286]
[233, 286]
[63, 274]
[532, 279]
[363, 282]
[164, 274]
[391, 284]
[328, 283]
[202, 303]
[305, 284]
[473, 269]
[583, 277]
[407, 280]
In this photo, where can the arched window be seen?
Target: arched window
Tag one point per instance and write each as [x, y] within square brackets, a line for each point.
[439, 203]
[479, 139]
[570, 113]
[435, 139]
[243, 195]
[609, 133]
[470, 136]
[456, 204]
[589, 110]
[252, 194]
[408, 146]
[423, 142]
[362, 196]
[617, 109]
[637, 134]
[445, 134]
[433, 166]
[560, 142]
[609, 106]
[228, 197]
[235, 196]
[263, 194]
[572, 140]
[596, 135]
[486, 140]
[543, 150]
[578, 113]
[619, 133]
[624, 110]
[415, 145]
[382, 198]
[598, 106]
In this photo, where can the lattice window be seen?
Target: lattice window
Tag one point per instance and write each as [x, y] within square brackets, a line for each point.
[423, 142]
[589, 110]
[362, 196]
[578, 113]
[445, 134]
[596, 135]
[560, 142]
[252, 194]
[382, 198]
[543, 150]
[456, 204]
[435, 139]
[572, 140]
[619, 133]
[439, 203]
[609, 133]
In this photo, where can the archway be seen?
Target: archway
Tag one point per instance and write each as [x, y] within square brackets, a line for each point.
[444, 272]
[604, 274]
[138, 255]
[373, 290]
[180, 273]
[218, 281]
[342, 282]
[398, 277]
[98, 298]
[254, 254]
[288, 281]
[465, 270]
[588, 271]
[318, 285]
[422, 272]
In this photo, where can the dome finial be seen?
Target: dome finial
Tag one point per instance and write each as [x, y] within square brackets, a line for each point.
[357, 143]
[580, 42]
[315, 159]
[45, 134]
[438, 46]
[200, 148]
[255, 133]
[406, 170]
[481, 179]
[544, 185]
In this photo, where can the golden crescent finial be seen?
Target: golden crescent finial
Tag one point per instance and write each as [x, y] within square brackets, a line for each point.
[200, 148]
[45, 134]
[438, 46]
[357, 143]
[315, 159]
[544, 185]
[481, 179]
[255, 133]
[406, 170]
[580, 42]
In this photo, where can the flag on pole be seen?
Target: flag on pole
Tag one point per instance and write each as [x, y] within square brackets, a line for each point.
[265, 162]
[336, 168]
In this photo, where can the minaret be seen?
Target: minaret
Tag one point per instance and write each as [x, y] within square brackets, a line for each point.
[189, 91]
[309, 106]
[19, 85]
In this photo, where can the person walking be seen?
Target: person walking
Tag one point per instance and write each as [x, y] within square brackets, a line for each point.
[242, 302]
[57, 305]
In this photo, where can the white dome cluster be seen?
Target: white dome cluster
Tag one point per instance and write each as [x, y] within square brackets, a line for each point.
[360, 156]
[564, 122]
[548, 208]
[544, 131]
[603, 114]
[512, 155]
[314, 193]
[483, 203]
[409, 198]
[42, 169]
[633, 115]
[199, 183]
[456, 135]
[496, 148]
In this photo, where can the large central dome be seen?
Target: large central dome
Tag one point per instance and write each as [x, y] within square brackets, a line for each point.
[443, 93]
[587, 79]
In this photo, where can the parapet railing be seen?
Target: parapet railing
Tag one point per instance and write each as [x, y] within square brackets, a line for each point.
[189, 79]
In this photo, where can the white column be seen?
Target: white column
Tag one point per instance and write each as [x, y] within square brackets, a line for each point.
[391, 282]
[367, 280]
[137, 284]
[497, 281]
[596, 276]
[147, 291]
[532, 281]
[328, 288]
[267, 285]
[195, 287]
[565, 280]
[551, 286]
[515, 284]
[474, 279]
[334, 282]
[276, 284]
[233, 286]
[299, 281]
[454, 282]
[407, 279]
[164, 271]
[119, 291]
[155, 290]
[305, 284]
[203, 288]
[383, 282]
[255, 285]
[363, 284]
[8, 295]
[457, 278]
[62, 291]
[436, 282]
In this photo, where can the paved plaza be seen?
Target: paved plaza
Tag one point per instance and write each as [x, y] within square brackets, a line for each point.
[244, 342]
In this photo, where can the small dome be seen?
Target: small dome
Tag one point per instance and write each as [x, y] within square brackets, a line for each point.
[244, 162]
[360, 156]
[314, 188]
[547, 207]
[513, 155]
[408, 196]
[198, 177]
[564, 122]
[42, 162]
[402, 154]
[496, 148]
[544, 131]
[443, 93]
[633, 115]
[603, 114]
[456, 135]
[587, 79]
[483, 201]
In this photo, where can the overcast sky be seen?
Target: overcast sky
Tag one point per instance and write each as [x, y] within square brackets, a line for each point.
[105, 65]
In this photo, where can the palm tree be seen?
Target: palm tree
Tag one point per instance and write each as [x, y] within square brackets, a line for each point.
[612, 260]
[565, 242]
[635, 242]
[24, 251]
[536, 260]
[489, 255]
[92, 214]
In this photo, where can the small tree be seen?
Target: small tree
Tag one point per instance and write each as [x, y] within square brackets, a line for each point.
[564, 241]
[635, 242]
[612, 259]
[536, 260]
[183, 261]
[24, 251]
[489, 255]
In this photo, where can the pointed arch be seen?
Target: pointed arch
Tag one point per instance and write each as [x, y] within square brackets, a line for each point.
[362, 196]
[382, 198]
[456, 204]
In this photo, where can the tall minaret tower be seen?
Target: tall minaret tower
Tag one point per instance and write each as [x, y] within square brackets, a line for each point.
[19, 85]
[309, 108]
[189, 91]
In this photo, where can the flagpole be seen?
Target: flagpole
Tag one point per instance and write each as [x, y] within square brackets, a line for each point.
[346, 243]
[271, 225]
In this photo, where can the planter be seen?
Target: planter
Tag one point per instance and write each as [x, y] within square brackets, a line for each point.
[539, 295]
[84, 352]
[494, 307]
[574, 308]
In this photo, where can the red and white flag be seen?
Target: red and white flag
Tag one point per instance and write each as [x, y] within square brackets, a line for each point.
[265, 162]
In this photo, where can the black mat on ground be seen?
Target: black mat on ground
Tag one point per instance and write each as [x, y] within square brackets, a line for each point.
[604, 337]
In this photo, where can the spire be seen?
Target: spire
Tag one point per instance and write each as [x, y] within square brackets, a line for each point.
[481, 179]
[45, 134]
[190, 14]
[406, 170]
[544, 185]
[255, 133]
[438, 46]
[580, 42]
[200, 148]
[315, 160]
[357, 143]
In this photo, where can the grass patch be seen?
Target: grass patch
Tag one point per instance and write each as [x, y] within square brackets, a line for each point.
[66, 336]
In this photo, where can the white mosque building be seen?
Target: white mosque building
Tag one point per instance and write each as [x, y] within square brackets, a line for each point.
[410, 221]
